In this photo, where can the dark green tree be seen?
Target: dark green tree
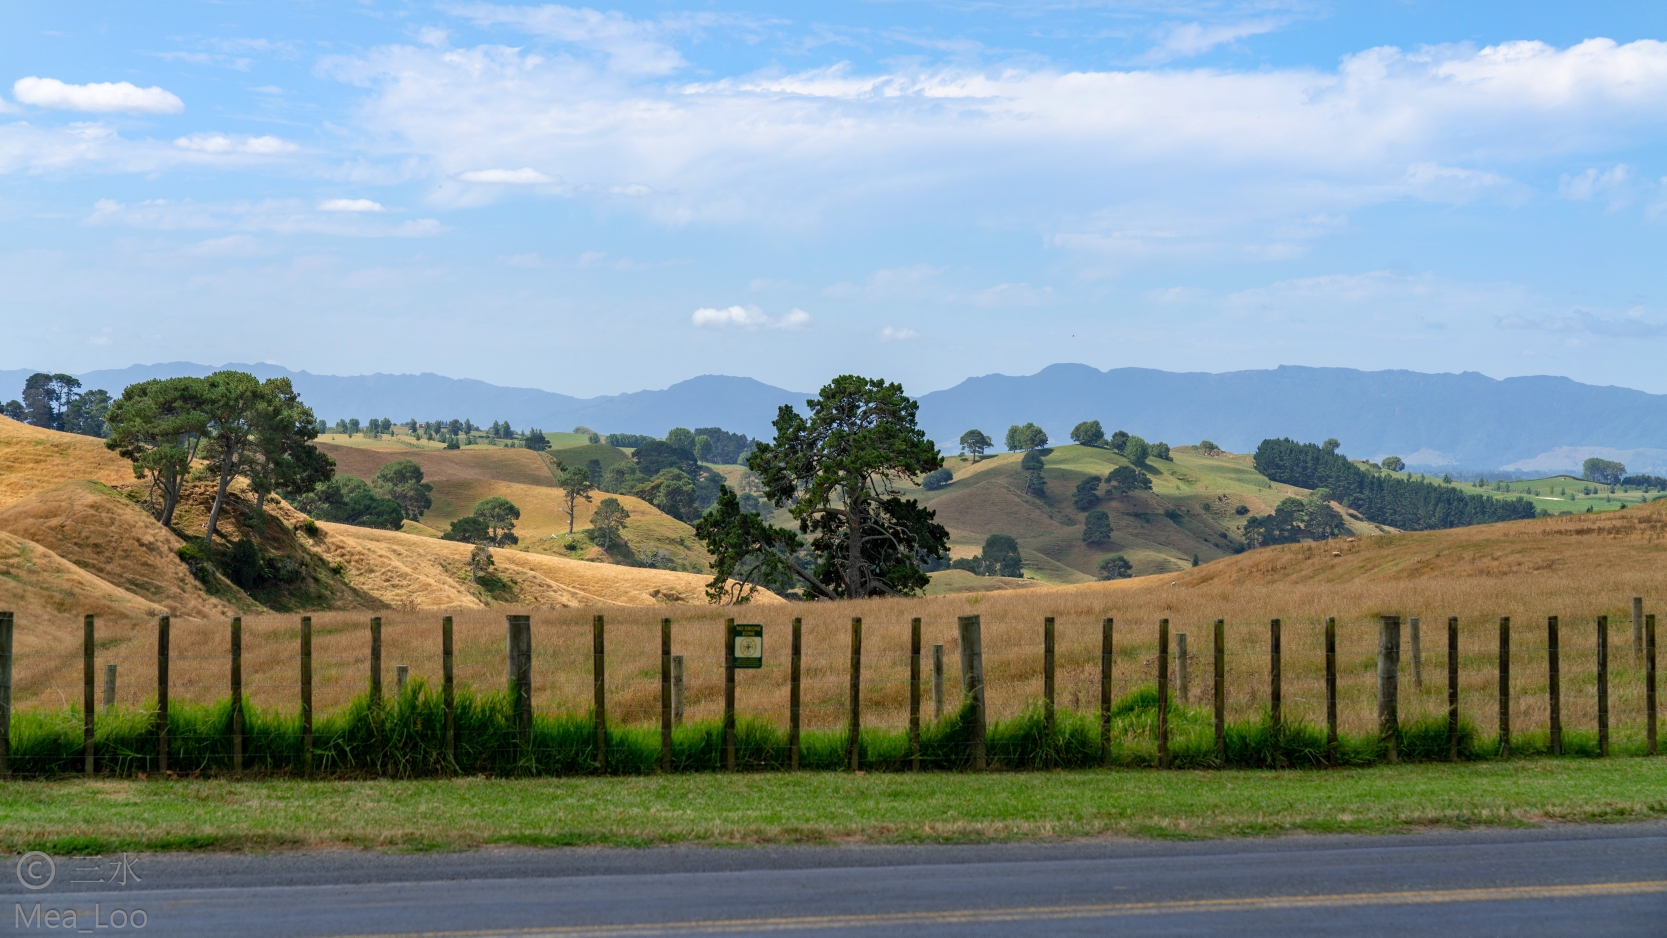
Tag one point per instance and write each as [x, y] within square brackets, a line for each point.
[1393, 463]
[1026, 436]
[85, 413]
[160, 425]
[1118, 439]
[1603, 471]
[671, 491]
[1096, 527]
[1125, 479]
[47, 397]
[1161, 451]
[239, 409]
[1116, 567]
[1208, 448]
[470, 529]
[402, 481]
[936, 479]
[1330, 445]
[681, 438]
[500, 515]
[575, 484]
[1135, 450]
[607, 521]
[1087, 493]
[350, 500]
[1001, 556]
[836, 471]
[975, 442]
[1089, 433]
[536, 440]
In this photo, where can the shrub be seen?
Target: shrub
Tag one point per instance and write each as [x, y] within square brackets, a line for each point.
[936, 479]
[1096, 527]
[1116, 567]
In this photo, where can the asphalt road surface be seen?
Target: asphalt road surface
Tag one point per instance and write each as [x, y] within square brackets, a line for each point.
[1605, 880]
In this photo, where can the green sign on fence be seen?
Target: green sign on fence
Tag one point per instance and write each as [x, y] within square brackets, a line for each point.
[749, 646]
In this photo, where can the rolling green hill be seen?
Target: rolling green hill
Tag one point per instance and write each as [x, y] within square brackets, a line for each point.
[1190, 510]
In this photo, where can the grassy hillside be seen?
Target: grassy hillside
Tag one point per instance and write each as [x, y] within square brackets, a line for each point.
[1190, 510]
[462, 478]
[1561, 494]
[32, 460]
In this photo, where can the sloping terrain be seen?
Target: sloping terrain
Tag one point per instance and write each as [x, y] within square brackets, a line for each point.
[412, 572]
[93, 527]
[35, 581]
[32, 459]
[462, 478]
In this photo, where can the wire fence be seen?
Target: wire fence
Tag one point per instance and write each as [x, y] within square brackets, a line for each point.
[420, 694]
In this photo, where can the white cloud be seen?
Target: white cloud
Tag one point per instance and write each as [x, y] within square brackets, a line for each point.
[513, 177]
[235, 143]
[1204, 160]
[107, 96]
[278, 216]
[891, 334]
[1612, 185]
[633, 46]
[350, 205]
[748, 317]
[1184, 40]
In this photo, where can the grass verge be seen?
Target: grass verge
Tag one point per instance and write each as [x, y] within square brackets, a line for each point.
[77, 817]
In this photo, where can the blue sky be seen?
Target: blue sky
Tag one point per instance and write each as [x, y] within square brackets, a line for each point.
[595, 200]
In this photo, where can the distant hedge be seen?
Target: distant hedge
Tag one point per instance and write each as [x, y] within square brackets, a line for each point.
[1408, 504]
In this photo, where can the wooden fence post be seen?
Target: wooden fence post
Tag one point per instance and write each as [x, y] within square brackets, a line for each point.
[521, 661]
[665, 695]
[937, 682]
[1181, 688]
[1047, 677]
[1637, 628]
[794, 692]
[1275, 708]
[1389, 666]
[109, 687]
[729, 694]
[599, 681]
[1220, 690]
[8, 625]
[1105, 690]
[1504, 686]
[87, 695]
[914, 694]
[677, 690]
[237, 693]
[448, 682]
[1649, 682]
[162, 629]
[1331, 690]
[972, 682]
[1452, 688]
[856, 693]
[375, 668]
[1163, 693]
[1417, 655]
[1603, 685]
[402, 673]
[306, 695]
[1554, 685]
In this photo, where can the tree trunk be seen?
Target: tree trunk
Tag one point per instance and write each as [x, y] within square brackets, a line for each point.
[853, 569]
[260, 503]
[219, 499]
[170, 499]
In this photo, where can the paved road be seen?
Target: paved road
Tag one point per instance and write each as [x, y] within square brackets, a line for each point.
[1609, 880]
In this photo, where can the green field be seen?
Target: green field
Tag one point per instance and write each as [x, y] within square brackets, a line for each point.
[108, 815]
[1189, 511]
[1563, 494]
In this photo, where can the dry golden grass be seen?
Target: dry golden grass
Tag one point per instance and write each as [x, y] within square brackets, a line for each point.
[1577, 567]
[35, 581]
[95, 528]
[32, 460]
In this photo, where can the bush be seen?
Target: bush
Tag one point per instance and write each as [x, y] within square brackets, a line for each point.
[937, 479]
[1087, 494]
[1161, 451]
[1116, 567]
[1096, 527]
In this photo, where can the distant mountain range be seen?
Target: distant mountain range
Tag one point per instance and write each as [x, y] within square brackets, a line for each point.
[1431, 420]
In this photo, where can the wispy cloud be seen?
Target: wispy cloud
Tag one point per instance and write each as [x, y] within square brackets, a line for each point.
[748, 317]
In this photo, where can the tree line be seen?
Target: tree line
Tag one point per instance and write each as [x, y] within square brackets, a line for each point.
[56, 402]
[1408, 504]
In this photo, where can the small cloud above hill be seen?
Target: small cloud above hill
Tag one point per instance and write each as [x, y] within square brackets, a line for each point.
[749, 317]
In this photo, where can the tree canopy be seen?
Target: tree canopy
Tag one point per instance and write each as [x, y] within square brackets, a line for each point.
[607, 521]
[1136, 451]
[1603, 471]
[1116, 567]
[499, 514]
[1125, 479]
[402, 481]
[1088, 433]
[1393, 463]
[575, 484]
[351, 500]
[1096, 527]
[836, 470]
[1001, 556]
[1026, 436]
[975, 442]
[159, 425]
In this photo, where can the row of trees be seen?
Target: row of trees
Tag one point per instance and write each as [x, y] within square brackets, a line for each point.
[237, 424]
[1408, 504]
[56, 402]
[1133, 448]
